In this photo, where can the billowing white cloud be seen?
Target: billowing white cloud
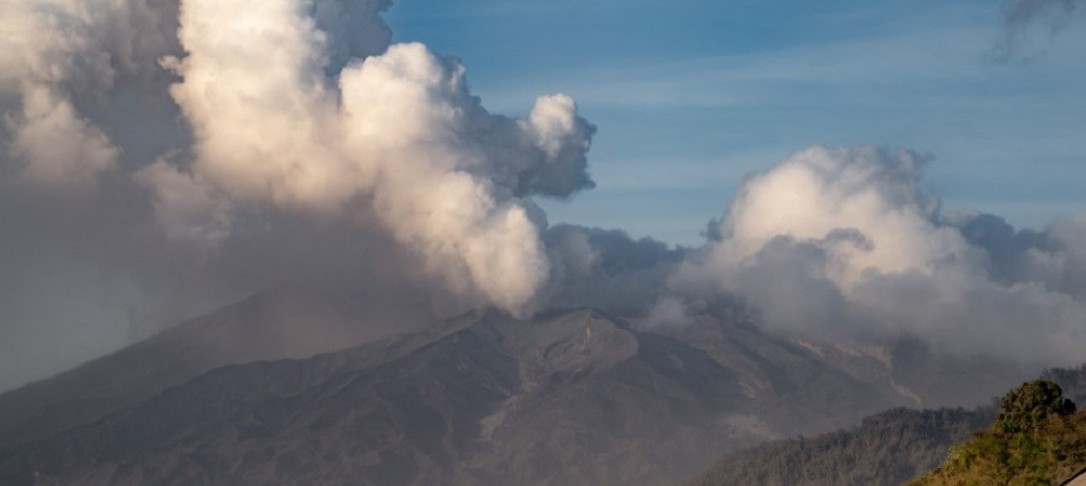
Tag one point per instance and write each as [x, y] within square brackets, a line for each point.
[188, 209]
[289, 141]
[49, 51]
[395, 134]
[846, 243]
[864, 203]
[56, 146]
[61, 56]
[285, 141]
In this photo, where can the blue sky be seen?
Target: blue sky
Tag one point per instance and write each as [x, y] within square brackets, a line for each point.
[691, 95]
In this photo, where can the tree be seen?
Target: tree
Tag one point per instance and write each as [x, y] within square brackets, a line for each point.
[1037, 439]
[1025, 407]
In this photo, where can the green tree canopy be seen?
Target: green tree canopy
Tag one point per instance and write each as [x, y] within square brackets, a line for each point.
[1024, 408]
[1037, 440]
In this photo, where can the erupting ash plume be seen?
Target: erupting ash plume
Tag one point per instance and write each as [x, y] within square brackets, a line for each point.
[56, 57]
[304, 107]
[163, 157]
[395, 134]
[261, 113]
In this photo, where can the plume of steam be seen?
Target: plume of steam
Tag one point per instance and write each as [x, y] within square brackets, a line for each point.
[59, 56]
[199, 151]
[309, 149]
[50, 141]
[187, 207]
[845, 243]
[394, 134]
[293, 106]
[606, 269]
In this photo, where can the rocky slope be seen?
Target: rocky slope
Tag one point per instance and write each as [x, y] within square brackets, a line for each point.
[272, 325]
[571, 397]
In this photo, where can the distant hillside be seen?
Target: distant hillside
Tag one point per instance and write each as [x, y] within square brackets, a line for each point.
[886, 449]
[271, 325]
[890, 448]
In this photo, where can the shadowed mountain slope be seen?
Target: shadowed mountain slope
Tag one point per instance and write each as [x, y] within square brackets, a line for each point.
[570, 397]
[271, 325]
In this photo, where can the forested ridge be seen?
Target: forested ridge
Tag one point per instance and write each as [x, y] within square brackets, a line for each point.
[1033, 436]
[886, 449]
[1039, 438]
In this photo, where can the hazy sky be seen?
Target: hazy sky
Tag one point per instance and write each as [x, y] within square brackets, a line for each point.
[691, 95]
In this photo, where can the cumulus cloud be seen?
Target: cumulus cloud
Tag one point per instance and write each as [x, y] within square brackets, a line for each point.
[864, 204]
[847, 244]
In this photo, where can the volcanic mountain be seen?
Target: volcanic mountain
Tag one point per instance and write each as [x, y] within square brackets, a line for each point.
[574, 396]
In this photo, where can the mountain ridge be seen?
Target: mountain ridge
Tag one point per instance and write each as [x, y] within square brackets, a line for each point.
[574, 395]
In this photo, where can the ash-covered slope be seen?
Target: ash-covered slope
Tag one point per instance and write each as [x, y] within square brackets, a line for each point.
[286, 323]
[574, 397]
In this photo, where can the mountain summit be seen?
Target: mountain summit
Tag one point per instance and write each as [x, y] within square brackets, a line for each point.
[575, 396]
